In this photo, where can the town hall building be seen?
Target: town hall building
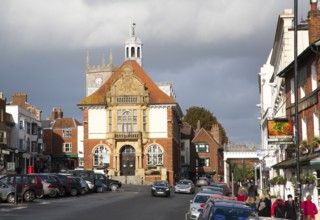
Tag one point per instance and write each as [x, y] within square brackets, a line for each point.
[131, 124]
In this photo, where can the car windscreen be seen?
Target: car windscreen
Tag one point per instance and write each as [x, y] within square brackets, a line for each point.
[181, 182]
[160, 184]
[201, 198]
[229, 213]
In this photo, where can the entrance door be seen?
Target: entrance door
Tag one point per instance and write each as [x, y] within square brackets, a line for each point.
[128, 161]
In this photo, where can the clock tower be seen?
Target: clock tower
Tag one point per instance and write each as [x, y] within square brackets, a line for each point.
[97, 75]
[133, 46]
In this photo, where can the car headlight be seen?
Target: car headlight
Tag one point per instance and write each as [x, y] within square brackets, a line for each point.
[194, 209]
[167, 189]
[153, 188]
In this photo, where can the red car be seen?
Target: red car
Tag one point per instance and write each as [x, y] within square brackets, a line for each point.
[28, 186]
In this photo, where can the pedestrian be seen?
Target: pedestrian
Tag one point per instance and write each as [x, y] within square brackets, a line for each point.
[252, 191]
[241, 195]
[264, 205]
[290, 207]
[309, 209]
[251, 201]
[278, 208]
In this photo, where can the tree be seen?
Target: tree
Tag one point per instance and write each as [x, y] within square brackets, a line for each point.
[206, 118]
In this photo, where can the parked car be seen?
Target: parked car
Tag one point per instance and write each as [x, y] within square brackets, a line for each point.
[84, 185]
[112, 185]
[73, 185]
[212, 190]
[52, 185]
[28, 186]
[224, 186]
[226, 209]
[160, 188]
[90, 185]
[7, 193]
[90, 175]
[202, 181]
[195, 204]
[184, 186]
[100, 187]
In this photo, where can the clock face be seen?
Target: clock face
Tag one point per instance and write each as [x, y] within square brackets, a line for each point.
[98, 81]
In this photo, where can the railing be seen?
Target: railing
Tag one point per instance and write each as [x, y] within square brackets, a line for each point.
[127, 135]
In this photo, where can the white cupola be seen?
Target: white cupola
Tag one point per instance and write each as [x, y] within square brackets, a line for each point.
[133, 46]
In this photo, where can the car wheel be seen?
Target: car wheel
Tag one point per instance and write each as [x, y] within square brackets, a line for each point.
[113, 187]
[11, 198]
[99, 189]
[53, 193]
[62, 192]
[29, 196]
[73, 192]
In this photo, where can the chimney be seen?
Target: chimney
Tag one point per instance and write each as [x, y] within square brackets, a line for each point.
[314, 22]
[60, 112]
[215, 131]
[19, 98]
[54, 114]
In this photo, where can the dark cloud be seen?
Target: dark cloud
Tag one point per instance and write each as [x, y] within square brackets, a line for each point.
[211, 51]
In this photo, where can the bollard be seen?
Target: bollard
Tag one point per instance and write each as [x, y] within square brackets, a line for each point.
[16, 195]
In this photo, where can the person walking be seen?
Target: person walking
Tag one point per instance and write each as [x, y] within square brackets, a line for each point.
[241, 196]
[264, 205]
[278, 208]
[251, 201]
[290, 208]
[309, 209]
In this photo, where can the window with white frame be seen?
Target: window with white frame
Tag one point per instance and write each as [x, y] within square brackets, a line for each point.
[34, 146]
[316, 124]
[304, 128]
[292, 90]
[314, 83]
[67, 133]
[154, 155]
[302, 80]
[21, 124]
[101, 156]
[202, 148]
[203, 162]
[67, 147]
[127, 120]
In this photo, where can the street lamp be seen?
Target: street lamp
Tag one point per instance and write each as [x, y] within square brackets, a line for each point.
[296, 124]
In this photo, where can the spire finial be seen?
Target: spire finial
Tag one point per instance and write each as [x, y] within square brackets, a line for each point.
[132, 28]
[110, 56]
[103, 61]
[88, 60]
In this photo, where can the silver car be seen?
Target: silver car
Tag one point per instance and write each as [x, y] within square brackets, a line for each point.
[7, 192]
[195, 205]
[184, 186]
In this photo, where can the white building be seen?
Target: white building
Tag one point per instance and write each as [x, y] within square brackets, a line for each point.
[271, 87]
[26, 137]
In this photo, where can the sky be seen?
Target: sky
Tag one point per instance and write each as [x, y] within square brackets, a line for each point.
[210, 50]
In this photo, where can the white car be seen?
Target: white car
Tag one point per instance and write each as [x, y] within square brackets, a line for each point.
[195, 204]
[184, 186]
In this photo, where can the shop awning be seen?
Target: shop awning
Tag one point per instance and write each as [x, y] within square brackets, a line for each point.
[305, 160]
[64, 155]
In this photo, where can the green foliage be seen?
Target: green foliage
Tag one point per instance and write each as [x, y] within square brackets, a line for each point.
[278, 180]
[242, 172]
[305, 178]
[206, 118]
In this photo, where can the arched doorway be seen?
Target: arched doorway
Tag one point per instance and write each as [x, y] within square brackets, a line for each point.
[127, 161]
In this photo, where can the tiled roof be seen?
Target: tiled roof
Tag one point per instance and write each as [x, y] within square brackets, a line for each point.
[157, 96]
[61, 123]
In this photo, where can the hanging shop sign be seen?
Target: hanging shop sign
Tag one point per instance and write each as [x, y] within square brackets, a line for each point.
[280, 131]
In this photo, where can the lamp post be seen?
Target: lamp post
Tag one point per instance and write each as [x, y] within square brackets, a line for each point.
[296, 124]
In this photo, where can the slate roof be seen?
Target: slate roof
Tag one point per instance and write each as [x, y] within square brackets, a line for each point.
[157, 96]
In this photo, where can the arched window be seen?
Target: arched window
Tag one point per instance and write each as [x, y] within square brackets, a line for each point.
[154, 155]
[133, 50]
[101, 156]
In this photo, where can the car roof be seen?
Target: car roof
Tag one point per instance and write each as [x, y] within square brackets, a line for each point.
[231, 204]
